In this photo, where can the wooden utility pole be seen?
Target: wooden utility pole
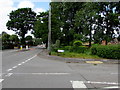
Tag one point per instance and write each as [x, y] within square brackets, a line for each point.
[49, 26]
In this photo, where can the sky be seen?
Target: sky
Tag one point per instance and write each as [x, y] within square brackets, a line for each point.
[6, 6]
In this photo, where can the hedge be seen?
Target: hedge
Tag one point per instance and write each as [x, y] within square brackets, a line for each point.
[77, 43]
[80, 49]
[108, 51]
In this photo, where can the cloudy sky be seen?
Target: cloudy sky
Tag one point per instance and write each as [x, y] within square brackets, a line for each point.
[6, 6]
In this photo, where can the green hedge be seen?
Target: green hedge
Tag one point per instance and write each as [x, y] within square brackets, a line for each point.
[109, 51]
[77, 43]
[7, 46]
[80, 49]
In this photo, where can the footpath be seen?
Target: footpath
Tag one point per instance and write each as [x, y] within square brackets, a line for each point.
[44, 54]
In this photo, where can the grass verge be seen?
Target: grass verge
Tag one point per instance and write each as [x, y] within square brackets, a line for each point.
[75, 55]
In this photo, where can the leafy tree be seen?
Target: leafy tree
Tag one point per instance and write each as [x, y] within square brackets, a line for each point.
[108, 23]
[5, 38]
[29, 40]
[38, 41]
[41, 27]
[14, 39]
[85, 18]
[63, 17]
[21, 20]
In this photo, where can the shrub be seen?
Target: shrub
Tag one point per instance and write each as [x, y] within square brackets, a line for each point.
[57, 43]
[109, 51]
[55, 46]
[80, 49]
[67, 48]
[7, 46]
[77, 43]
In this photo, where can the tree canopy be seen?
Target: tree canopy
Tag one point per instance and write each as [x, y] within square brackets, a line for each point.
[41, 27]
[21, 21]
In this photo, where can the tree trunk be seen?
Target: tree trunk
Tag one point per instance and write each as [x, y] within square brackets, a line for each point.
[23, 39]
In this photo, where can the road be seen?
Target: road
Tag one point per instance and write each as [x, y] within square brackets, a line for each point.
[26, 69]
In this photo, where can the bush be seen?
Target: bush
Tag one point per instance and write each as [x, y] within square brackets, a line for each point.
[7, 46]
[67, 48]
[109, 51]
[77, 43]
[55, 46]
[57, 43]
[80, 49]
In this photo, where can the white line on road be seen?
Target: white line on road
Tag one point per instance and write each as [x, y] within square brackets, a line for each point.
[14, 67]
[50, 73]
[23, 62]
[112, 87]
[19, 64]
[32, 57]
[78, 84]
[9, 69]
[1, 80]
[92, 82]
[9, 74]
[45, 73]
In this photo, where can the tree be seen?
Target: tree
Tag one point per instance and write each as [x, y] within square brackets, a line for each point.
[5, 38]
[85, 19]
[29, 40]
[41, 27]
[63, 18]
[107, 23]
[14, 39]
[21, 21]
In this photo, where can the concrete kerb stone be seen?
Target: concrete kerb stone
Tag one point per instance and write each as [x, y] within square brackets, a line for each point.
[80, 60]
[44, 54]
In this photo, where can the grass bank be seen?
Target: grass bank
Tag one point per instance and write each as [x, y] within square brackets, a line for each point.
[75, 55]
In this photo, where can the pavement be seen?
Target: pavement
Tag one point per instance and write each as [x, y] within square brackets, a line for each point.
[35, 69]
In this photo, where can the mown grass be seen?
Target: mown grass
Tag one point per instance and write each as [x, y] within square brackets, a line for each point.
[76, 55]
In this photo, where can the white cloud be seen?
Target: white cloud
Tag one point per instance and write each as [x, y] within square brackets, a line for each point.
[25, 4]
[6, 6]
[37, 10]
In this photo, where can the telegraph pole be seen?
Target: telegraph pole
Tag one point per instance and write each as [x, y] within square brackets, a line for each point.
[49, 27]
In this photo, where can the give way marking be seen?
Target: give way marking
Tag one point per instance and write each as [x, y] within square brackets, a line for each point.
[78, 84]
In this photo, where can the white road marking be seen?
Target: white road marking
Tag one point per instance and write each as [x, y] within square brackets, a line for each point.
[1, 80]
[9, 74]
[112, 87]
[9, 70]
[45, 73]
[19, 64]
[92, 82]
[32, 57]
[50, 73]
[78, 84]
[26, 61]
[23, 62]
[15, 67]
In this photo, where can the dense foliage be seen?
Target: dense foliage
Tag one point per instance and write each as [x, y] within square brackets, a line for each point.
[21, 21]
[109, 51]
[77, 43]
